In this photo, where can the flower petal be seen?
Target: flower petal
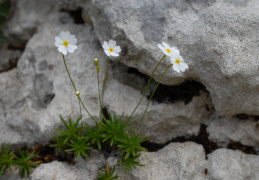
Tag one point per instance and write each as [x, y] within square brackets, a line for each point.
[166, 45]
[172, 58]
[117, 49]
[62, 49]
[175, 51]
[112, 43]
[184, 66]
[63, 35]
[114, 54]
[181, 67]
[181, 58]
[71, 48]
[105, 45]
[176, 68]
[160, 47]
[107, 52]
[58, 41]
[72, 40]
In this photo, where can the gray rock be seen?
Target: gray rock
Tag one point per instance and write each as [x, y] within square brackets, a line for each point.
[217, 38]
[162, 121]
[82, 170]
[224, 164]
[14, 175]
[224, 130]
[175, 161]
[25, 19]
[8, 59]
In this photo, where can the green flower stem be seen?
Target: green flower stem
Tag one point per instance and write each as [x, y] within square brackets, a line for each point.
[86, 110]
[75, 88]
[68, 72]
[105, 78]
[146, 87]
[80, 115]
[100, 100]
[152, 96]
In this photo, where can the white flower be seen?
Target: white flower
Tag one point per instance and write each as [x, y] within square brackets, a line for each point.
[111, 49]
[66, 42]
[178, 62]
[166, 49]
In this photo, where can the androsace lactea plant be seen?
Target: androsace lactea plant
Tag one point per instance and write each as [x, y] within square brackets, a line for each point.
[23, 161]
[113, 131]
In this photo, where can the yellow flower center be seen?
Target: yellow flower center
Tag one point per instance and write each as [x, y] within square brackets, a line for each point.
[65, 43]
[111, 49]
[177, 61]
[168, 50]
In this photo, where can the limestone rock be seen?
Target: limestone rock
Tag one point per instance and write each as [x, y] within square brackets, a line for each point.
[25, 19]
[217, 38]
[162, 121]
[82, 170]
[8, 59]
[175, 161]
[224, 164]
[224, 130]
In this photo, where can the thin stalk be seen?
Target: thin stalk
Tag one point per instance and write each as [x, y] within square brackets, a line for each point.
[75, 87]
[68, 71]
[152, 96]
[105, 78]
[146, 87]
[80, 115]
[100, 100]
[86, 110]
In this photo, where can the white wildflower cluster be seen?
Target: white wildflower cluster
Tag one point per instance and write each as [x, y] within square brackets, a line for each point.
[67, 43]
[175, 57]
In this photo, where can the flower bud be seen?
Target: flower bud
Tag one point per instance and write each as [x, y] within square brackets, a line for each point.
[77, 93]
[98, 68]
[96, 61]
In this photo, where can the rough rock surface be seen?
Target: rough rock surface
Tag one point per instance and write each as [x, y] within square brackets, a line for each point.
[224, 130]
[26, 18]
[175, 161]
[82, 170]
[8, 59]
[217, 38]
[162, 121]
[224, 164]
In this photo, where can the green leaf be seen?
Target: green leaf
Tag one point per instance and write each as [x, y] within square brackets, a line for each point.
[114, 128]
[107, 174]
[6, 159]
[95, 134]
[79, 146]
[24, 162]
